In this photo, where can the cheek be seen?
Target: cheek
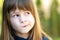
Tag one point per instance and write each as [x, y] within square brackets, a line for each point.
[31, 20]
[14, 21]
[15, 24]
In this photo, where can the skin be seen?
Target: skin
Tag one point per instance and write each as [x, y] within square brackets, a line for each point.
[22, 21]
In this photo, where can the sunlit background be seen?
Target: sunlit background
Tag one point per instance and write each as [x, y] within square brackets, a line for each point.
[49, 11]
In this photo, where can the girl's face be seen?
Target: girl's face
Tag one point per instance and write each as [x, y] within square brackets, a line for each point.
[22, 21]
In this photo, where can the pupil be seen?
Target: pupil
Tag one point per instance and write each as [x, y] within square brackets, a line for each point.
[17, 15]
[27, 12]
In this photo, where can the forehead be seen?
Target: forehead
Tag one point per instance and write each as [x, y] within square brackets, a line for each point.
[19, 11]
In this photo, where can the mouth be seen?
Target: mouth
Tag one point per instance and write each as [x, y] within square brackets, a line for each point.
[25, 25]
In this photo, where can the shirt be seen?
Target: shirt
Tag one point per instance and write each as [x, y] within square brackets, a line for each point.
[20, 38]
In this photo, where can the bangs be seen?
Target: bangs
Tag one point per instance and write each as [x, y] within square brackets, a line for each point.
[20, 4]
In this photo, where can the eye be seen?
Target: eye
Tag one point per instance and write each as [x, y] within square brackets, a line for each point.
[27, 13]
[17, 15]
[13, 15]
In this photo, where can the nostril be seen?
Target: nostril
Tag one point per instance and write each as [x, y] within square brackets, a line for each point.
[22, 20]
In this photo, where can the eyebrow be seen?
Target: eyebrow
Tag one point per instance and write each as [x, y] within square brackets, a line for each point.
[13, 12]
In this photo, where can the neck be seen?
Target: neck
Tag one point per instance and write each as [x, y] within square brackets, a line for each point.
[23, 35]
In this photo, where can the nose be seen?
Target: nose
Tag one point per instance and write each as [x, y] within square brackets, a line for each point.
[22, 19]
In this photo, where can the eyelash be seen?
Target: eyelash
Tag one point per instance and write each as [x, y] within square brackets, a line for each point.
[13, 15]
[27, 13]
[17, 15]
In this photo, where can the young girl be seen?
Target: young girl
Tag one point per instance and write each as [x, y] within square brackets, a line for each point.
[21, 21]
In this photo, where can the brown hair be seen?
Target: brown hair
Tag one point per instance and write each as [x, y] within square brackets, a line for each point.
[8, 31]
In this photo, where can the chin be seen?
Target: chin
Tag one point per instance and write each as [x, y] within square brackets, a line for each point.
[25, 32]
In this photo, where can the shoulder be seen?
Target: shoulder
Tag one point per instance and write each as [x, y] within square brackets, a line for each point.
[44, 38]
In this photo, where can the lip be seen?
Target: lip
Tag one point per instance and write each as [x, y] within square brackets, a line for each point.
[25, 25]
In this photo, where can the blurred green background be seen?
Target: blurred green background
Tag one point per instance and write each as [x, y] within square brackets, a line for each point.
[1, 3]
[49, 11]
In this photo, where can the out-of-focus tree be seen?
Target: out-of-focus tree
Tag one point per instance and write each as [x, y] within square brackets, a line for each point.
[49, 11]
[55, 19]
